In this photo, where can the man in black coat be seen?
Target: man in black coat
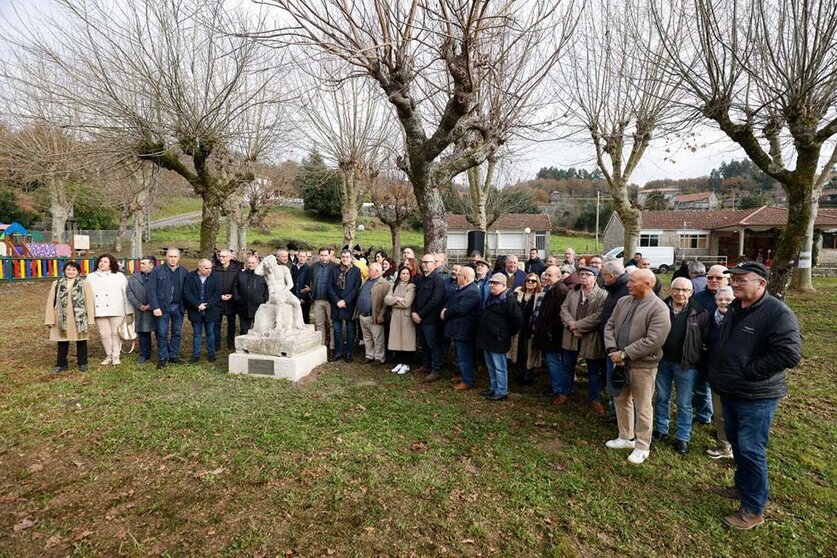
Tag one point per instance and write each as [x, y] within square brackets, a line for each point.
[616, 284]
[202, 295]
[250, 293]
[461, 313]
[227, 271]
[427, 306]
[760, 340]
[548, 330]
[343, 291]
[300, 269]
[534, 264]
[165, 297]
[501, 319]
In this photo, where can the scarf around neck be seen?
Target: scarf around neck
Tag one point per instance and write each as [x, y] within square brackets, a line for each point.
[77, 299]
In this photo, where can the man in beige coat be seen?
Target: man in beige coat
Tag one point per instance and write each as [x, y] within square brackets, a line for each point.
[581, 313]
[634, 336]
[371, 314]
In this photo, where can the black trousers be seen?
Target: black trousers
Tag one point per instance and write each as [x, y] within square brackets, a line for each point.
[64, 350]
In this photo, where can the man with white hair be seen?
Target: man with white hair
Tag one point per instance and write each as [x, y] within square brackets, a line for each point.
[716, 277]
[370, 309]
[634, 336]
[202, 296]
[683, 356]
[165, 296]
[516, 276]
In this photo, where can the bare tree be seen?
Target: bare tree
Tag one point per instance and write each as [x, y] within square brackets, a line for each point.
[394, 202]
[166, 81]
[425, 58]
[44, 154]
[128, 189]
[615, 90]
[764, 72]
[349, 124]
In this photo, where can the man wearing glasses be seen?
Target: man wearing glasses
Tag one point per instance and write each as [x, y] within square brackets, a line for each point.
[716, 278]
[427, 306]
[759, 341]
[227, 271]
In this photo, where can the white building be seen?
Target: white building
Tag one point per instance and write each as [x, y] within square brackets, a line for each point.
[511, 233]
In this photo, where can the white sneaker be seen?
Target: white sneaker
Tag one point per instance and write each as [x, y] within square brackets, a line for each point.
[397, 368]
[404, 369]
[638, 456]
[106, 361]
[620, 443]
[115, 361]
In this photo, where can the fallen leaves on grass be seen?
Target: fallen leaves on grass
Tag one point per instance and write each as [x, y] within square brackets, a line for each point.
[419, 446]
[23, 524]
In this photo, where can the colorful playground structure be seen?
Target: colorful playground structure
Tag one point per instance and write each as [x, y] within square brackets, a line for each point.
[21, 259]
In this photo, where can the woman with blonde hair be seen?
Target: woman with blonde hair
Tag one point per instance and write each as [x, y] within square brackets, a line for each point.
[523, 352]
[69, 313]
[110, 289]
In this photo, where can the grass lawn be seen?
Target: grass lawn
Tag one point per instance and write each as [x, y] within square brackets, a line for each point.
[353, 461]
[286, 224]
[177, 206]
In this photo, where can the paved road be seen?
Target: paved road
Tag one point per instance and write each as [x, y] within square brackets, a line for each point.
[177, 220]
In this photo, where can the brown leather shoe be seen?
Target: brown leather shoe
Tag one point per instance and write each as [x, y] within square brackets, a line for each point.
[731, 492]
[561, 400]
[423, 370]
[462, 386]
[596, 407]
[432, 377]
[744, 520]
[456, 379]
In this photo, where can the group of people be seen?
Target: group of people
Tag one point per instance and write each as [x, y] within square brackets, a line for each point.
[718, 328]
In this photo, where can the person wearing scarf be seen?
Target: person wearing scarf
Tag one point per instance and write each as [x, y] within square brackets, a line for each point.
[343, 292]
[69, 313]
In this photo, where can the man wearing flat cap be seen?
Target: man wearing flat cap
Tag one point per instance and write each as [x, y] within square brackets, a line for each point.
[759, 341]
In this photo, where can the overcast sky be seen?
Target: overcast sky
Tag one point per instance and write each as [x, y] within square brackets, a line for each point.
[662, 160]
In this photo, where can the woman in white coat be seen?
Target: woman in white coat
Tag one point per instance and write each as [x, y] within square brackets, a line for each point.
[110, 288]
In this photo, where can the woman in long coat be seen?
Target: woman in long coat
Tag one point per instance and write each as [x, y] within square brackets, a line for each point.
[69, 316]
[402, 330]
[523, 352]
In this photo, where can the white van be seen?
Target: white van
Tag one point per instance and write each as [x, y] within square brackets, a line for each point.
[662, 257]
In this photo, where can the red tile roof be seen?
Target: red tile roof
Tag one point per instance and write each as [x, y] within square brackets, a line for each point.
[686, 198]
[723, 218]
[506, 222]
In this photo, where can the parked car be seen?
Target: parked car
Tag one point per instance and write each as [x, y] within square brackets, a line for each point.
[662, 257]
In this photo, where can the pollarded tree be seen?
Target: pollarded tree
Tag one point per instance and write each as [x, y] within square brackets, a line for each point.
[165, 81]
[394, 202]
[424, 57]
[765, 73]
[616, 92]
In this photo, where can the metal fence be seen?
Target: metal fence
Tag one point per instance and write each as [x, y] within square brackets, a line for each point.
[97, 238]
[28, 269]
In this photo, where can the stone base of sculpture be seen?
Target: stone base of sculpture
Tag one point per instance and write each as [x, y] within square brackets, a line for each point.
[282, 368]
[279, 344]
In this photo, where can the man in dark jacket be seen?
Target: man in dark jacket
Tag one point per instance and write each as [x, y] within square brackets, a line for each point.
[515, 277]
[343, 291]
[500, 321]
[427, 306]
[250, 293]
[202, 296]
[534, 264]
[138, 297]
[760, 340]
[165, 296]
[319, 284]
[616, 284]
[716, 278]
[461, 314]
[299, 273]
[683, 357]
[548, 331]
[227, 271]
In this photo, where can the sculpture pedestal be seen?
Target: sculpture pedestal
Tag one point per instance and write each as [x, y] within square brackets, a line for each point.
[271, 366]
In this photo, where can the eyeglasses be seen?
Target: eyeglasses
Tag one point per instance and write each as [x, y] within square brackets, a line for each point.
[531, 280]
[681, 290]
[715, 277]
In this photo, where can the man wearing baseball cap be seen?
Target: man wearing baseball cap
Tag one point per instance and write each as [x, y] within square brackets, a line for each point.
[760, 339]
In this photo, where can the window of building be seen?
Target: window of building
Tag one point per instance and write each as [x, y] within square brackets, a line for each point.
[649, 239]
[694, 240]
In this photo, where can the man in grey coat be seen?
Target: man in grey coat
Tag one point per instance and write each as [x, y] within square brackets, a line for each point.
[144, 321]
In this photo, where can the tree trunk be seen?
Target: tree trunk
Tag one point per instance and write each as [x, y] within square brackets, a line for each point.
[59, 208]
[790, 243]
[121, 231]
[210, 226]
[350, 183]
[802, 279]
[136, 233]
[478, 191]
[240, 249]
[630, 216]
[395, 233]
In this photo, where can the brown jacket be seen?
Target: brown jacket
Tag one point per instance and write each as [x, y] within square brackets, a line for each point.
[402, 330]
[51, 318]
[592, 345]
[379, 293]
[649, 329]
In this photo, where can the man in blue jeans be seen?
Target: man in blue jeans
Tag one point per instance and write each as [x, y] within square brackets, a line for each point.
[683, 356]
[461, 314]
[760, 339]
[165, 296]
[547, 328]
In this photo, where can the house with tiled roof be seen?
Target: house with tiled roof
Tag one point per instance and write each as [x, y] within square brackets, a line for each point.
[751, 233]
[699, 200]
[511, 233]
